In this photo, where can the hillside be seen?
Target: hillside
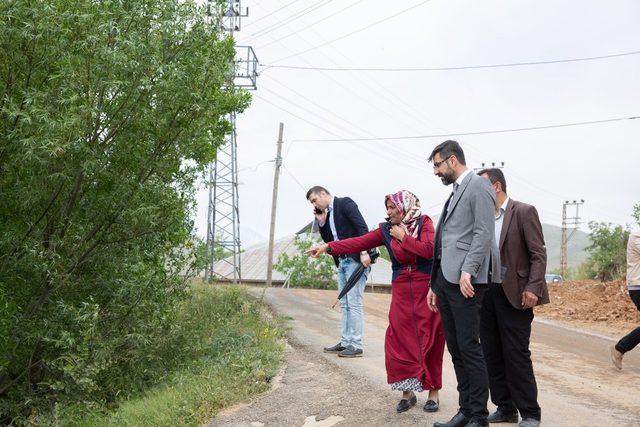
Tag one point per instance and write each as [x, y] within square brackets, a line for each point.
[576, 248]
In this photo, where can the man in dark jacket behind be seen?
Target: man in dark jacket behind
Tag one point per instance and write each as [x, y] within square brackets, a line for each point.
[339, 218]
[507, 308]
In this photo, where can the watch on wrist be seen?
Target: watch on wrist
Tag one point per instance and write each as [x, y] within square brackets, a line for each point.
[329, 250]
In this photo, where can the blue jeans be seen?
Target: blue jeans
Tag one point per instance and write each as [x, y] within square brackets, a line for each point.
[351, 304]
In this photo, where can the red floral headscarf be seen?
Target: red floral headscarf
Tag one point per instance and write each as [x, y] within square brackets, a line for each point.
[409, 206]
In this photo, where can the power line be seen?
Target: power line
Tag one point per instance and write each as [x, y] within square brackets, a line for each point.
[592, 122]
[339, 127]
[366, 102]
[255, 167]
[286, 169]
[376, 88]
[284, 21]
[293, 114]
[370, 150]
[380, 153]
[463, 67]
[310, 25]
[353, 32]
[271, 13]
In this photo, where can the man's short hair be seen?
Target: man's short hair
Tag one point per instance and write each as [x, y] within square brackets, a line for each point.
[447, 149]
[316, 189]
[495, 175]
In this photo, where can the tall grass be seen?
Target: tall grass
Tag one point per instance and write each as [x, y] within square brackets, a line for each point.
[223, 349]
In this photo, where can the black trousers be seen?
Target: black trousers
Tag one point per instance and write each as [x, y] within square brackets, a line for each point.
[628, 342]
[461, 321]
[505, 333]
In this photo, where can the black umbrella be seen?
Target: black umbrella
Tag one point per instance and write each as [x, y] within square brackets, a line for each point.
[355, 276]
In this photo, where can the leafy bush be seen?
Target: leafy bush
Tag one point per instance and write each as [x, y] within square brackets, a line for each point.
[607, 252]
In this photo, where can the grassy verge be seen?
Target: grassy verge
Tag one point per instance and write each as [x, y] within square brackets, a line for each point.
[238, 348]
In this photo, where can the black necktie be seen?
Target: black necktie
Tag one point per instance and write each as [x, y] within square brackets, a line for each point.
[451, 196]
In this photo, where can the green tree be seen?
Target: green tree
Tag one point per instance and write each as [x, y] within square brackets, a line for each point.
[109, 112]
[304, 271]
[636, 214]
[607, 252]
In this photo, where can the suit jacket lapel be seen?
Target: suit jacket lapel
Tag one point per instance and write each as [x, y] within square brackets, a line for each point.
[458, 194]
[443, 215]
[438, 235]
[508, 214]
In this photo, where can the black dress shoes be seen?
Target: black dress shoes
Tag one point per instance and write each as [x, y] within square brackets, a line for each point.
[502, 416]
[406, 404]
[431, 406]
[477, 422]
[335, 349]
[458, 420]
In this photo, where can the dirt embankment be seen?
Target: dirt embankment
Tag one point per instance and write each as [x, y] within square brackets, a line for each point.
[602, 306]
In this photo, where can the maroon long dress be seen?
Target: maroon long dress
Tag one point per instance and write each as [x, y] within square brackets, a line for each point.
[414, 342]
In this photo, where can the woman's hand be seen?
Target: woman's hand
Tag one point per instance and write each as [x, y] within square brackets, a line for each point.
[432, 301]
[398, 232]
[316, 251]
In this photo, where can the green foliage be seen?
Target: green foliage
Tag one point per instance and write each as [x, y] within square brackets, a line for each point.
[109, 112]
[384, 253]
[220, 349]
[304, 271]
[583, 272]
[607, 252]
[636, 214]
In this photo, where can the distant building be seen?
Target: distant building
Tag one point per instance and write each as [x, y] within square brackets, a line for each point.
[254, 262]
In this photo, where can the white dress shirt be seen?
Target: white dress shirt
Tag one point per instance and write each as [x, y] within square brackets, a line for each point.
[500, 220]
[332, 223]
[456, 185]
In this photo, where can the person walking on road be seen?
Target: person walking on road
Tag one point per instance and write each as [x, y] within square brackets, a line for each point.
[631, 340]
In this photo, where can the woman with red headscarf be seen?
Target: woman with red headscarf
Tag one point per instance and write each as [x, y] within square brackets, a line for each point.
[414, 342]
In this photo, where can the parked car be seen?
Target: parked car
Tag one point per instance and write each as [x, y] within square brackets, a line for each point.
[553, 278]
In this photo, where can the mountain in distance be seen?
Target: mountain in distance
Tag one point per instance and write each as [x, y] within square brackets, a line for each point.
[576, 247]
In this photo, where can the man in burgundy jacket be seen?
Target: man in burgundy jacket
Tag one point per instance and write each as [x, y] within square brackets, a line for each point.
[507, 308]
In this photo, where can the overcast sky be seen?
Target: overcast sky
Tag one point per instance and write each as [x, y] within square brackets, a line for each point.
[598, 163]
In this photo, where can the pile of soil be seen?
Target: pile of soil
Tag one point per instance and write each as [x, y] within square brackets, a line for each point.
[591, 303]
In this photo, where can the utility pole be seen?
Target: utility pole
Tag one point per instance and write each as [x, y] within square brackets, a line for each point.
[274, 203]
[483, 165]
[567, 223]
[223, 214]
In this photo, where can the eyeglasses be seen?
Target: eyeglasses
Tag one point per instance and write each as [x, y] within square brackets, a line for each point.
[436, 165]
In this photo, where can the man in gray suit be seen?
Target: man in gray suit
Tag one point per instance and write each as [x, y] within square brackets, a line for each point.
[465, 256]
